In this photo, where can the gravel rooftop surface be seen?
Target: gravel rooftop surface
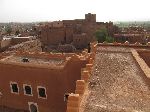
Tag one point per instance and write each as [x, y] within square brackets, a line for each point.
[117, 84]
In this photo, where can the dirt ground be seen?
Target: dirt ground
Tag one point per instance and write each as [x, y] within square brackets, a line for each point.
[117, 84]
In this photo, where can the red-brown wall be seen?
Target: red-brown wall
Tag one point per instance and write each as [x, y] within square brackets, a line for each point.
[57, 82]
[145, 55]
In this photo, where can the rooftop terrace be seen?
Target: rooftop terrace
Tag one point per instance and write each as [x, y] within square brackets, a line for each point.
[117, 83]
[33, 61]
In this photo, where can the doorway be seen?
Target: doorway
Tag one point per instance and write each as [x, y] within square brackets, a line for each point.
[33, 107]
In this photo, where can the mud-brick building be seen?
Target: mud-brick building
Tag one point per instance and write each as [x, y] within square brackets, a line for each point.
[66, 31]
[37, 82]
[132, 38]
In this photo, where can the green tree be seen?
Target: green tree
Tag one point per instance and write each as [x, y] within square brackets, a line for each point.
[109, 39]
[102, 35]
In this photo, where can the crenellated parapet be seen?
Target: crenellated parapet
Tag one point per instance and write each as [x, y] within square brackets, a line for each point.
[82, 84]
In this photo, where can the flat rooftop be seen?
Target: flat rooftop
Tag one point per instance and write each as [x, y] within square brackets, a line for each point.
[34, 61]
[117, 83]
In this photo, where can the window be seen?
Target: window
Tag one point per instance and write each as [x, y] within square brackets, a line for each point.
[27, 90]
[42, 92]
[14, 87]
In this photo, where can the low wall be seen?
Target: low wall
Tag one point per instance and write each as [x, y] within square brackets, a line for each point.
[145, 55]
[137, 45]
[141, 63]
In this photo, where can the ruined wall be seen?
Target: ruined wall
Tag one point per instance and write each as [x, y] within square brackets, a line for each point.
[18, 40]
[34, 45]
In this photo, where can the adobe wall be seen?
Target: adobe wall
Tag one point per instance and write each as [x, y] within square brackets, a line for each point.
[80, 40]
[57, 24]
[34, 77]
[143, 65]
[69, 35]
[52, 36]
[90, 17]
[136, 45]
[145, 55]
[56, 81]
[76, 99]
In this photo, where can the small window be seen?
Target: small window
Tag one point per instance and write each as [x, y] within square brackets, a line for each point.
[27, 89]
[14, 87]
[42, 92]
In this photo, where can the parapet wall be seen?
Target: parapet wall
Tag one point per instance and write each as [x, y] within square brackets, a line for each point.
[145, 68]
[126, 44]
[75, 99]
[145, 55]
[67, 58]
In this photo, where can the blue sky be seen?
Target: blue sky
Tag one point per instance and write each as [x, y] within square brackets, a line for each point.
[51, 10]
